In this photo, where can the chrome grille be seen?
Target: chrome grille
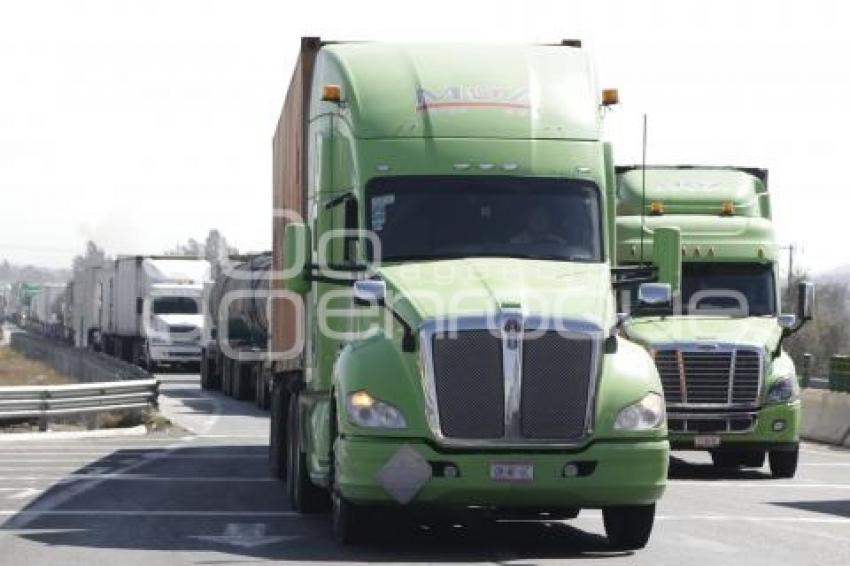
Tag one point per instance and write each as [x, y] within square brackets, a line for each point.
[555, 371]
[470, 384]
[726, 376]
[513, 381]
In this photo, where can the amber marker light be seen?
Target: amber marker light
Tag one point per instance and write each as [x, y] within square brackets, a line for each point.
[331, 93]
[610, 97]
[727, 208]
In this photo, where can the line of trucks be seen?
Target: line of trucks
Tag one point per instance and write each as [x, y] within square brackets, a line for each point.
[469, 307]
[143, 309]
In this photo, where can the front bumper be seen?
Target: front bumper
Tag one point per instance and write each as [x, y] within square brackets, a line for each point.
[762, 436]
[175, 353]
[624, 473]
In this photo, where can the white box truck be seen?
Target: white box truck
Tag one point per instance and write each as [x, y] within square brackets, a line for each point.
[151, 309]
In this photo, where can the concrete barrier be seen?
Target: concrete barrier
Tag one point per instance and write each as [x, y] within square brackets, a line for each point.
[826, 416]
[79, 364]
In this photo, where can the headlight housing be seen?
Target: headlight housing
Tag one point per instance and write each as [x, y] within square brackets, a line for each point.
[782, 390]
[646, 414]
[366, 411]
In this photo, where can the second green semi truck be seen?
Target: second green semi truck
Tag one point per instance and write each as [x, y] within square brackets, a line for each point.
[730, 388]
[443, 330]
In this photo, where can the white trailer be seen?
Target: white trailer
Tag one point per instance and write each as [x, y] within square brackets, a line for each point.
[46, 308]
[152, 311]
[84, 311]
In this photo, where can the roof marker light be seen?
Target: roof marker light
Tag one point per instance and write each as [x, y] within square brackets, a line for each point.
[382, 167]
[509, 166]
[610, 97]
[331, 93]
[485, 166]
[461, 166]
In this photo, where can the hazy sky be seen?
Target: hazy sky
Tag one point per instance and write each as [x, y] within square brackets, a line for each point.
[141, 124]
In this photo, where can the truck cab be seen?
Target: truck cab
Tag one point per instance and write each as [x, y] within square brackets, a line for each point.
[729, 386]
[444, 328]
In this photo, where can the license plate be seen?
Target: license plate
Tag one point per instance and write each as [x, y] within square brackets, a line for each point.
[707, 441]
[512, 472]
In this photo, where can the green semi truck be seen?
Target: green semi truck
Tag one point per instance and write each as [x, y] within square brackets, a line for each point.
[443, 326]
[729, 386]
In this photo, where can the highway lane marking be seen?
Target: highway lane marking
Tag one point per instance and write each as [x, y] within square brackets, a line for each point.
[837, 451]
[296, 515]
[153, 513]
[76, 489]
[135, 457]
[119, 476]
[757, 519]
[765, 484]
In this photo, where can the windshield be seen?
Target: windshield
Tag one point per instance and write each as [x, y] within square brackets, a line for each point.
[745, 289]
[175, 305]
[446, 217]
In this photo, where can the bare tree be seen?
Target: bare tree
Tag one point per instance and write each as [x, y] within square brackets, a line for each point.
[829, 333]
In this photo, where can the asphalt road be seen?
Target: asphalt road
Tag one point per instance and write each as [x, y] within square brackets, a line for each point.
[205, 497]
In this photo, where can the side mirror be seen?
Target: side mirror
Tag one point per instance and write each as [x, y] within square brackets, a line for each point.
[297, 256]
[655, 294]
[787, 321]
[369, 291]
[806, 301]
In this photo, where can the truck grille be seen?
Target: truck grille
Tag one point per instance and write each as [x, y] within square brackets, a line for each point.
[723, 377]
[473, 389]
[555, 378]
[470, 384]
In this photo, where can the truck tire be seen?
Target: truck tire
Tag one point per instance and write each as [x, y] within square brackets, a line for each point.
[277, 432]
[628, 527]
[353, 524]
[204, 370]
[226, 375]
[242, 381]
[752, 458]
[726, 460]
[305, 496]
[261, 391]
[783, 463]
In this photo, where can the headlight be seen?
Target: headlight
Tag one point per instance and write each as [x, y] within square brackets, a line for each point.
[782, 390]
[646, 414]
[366, 411]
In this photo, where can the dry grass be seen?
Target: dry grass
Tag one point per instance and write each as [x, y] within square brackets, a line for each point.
[17, 369]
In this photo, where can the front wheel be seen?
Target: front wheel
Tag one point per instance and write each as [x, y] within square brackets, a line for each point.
[352, 523]
[783, 463]
[305, 496]
[628, 527]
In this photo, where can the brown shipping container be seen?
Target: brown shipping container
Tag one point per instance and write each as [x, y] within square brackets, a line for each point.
[290, 192]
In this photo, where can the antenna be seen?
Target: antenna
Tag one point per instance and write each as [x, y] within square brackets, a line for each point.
[643, 189]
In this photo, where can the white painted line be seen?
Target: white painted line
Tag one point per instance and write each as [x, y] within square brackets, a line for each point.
[53, 500]
[143, 513]
[140, 430]
[825, 464]
[764, 484]
[755, 519]
[117, 456]
[118, 476]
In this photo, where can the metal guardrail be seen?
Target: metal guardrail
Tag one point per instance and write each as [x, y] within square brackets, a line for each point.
[43, 401]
